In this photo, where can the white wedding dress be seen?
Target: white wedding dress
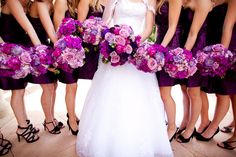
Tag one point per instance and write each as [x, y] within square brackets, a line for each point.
[123, 114]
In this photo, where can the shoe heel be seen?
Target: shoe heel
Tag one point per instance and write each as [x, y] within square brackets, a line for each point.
[18, 136]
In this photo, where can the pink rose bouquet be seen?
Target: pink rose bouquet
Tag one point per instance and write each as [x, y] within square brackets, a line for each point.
[118, 45]
[92, 30]
[14, 61]
[179, 63]
[149, 58]
[69, 53]
[41, 59]
[214, 60]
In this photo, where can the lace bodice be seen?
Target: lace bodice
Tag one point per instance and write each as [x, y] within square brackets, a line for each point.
[130, 13]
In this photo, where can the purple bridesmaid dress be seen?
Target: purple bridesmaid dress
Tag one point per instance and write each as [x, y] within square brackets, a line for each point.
[49, 77]
[91, 60]
[66, 77]
[201, 42]
[162, 23]
[12, 32]
[226, 85]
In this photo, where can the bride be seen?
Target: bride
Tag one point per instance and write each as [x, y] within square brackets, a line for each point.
[123, 114]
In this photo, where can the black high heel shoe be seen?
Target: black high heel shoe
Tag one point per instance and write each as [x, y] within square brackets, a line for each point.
[70, 129]
[227, 145]
[77, 120]
[171, 139]
[202, 138]
[60, 125]
[182, 139]
[28, 134]
[5, 145]
[198, 134]
[55, 130]
[35, 130]
[180, 131]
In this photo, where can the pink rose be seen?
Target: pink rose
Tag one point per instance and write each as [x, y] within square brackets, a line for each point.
[114, 57]
[140, 51]
[124, 33]
[57, 53]
[25, 57]
[218, 47]
[128, 49]
[119, 49]
[111, 38]
[152, 64]
[120, 40]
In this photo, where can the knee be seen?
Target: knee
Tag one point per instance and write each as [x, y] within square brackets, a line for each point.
[48, 88]
[71, 87]
[194, 93]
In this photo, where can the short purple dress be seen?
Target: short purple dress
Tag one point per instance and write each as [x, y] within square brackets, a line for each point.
[66, 77]
[201, 42]
[91, 60]
[49, 77]
[162, 23]
[12, 32]
[226, 85]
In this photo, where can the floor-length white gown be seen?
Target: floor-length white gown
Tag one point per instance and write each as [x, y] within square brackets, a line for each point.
[123, 114]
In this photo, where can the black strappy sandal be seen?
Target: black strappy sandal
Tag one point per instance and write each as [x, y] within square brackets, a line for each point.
[28, 134]
[59, 124]
[35, 130]
[5, 145]
[55, 130]
[227, 145]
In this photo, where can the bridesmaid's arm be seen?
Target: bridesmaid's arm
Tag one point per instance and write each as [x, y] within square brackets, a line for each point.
[230, 20]
[83, 9]
[200, 13]
[60, 7]
[46, 20]
[109, 11]
[17, 11]
[174, 14]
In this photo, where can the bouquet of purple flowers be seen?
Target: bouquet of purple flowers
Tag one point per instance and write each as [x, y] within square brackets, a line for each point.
[214, 60]
[179, 63]
[14, 61]
[69, 53]
[118, 45]
[149, 57]
[92, 30]
[69, 26]
[41, 59]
